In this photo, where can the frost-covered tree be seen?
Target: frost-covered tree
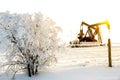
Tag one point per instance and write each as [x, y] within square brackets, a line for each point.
[32, 41]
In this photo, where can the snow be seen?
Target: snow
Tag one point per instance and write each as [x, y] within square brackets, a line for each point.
[89, 63]
[89, 73]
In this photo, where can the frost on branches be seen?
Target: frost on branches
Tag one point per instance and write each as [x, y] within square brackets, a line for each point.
[32, 41]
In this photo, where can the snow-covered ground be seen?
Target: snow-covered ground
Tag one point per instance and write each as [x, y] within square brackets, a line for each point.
[88, 63]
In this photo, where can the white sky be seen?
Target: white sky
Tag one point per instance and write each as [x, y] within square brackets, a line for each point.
[69, 13]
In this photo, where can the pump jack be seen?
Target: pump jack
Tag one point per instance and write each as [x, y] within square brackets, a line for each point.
[90, 34]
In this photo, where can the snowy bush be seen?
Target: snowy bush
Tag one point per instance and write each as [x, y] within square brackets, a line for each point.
[31, 41]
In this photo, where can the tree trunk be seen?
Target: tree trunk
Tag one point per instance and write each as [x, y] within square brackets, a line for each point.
[36, 70]
[33, 72]
[29, 70]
